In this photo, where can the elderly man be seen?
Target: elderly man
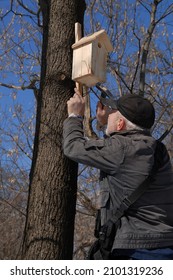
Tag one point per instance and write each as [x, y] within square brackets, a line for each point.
[126, 157]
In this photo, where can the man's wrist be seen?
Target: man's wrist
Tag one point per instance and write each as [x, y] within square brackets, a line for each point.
[75, 116]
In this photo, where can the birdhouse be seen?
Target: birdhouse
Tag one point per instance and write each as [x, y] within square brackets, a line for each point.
[90, 58]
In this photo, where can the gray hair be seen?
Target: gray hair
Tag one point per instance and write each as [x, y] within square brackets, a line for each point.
[129, 124]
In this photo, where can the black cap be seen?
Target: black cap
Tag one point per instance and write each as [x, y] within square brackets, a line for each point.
[135, 108]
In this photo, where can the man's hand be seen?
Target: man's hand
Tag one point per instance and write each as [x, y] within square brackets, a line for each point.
[76, 104]
[102, 113]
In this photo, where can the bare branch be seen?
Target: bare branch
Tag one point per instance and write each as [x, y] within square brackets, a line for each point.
[166, 132]
[168, 11]
[13, 206]
[26, 8]
[138, 55]
[142, 4]
[32, 86]
[146, 47]
[122, 79]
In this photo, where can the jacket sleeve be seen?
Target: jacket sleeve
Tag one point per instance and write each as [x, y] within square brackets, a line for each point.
[104, 154]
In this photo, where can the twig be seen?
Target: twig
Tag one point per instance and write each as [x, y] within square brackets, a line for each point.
[13, 206]
[166, 133]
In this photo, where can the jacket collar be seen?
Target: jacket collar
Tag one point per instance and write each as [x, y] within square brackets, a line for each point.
[131, 132]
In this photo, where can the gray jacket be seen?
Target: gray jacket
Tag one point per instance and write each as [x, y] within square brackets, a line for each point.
[125, 159]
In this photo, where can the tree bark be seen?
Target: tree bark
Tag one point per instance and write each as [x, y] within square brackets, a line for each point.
[53, 178]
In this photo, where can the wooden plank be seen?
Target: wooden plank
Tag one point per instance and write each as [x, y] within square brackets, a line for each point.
[78, 35]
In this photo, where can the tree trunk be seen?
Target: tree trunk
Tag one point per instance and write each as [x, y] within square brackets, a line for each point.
[53, 179]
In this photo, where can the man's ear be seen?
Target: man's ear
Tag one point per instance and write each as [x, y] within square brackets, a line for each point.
[121, 125]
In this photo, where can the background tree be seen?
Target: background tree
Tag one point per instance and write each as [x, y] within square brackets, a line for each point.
[15, 153]
[53, 179]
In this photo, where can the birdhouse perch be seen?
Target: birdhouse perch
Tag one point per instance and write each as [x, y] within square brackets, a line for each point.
[90, 58]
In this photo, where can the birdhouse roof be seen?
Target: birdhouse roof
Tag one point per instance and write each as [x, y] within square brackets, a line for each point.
[100, 35]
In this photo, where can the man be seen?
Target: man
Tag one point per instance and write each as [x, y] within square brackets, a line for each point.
[126, 158]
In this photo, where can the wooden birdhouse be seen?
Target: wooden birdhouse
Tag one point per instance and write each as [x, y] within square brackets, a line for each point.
[90, 58]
